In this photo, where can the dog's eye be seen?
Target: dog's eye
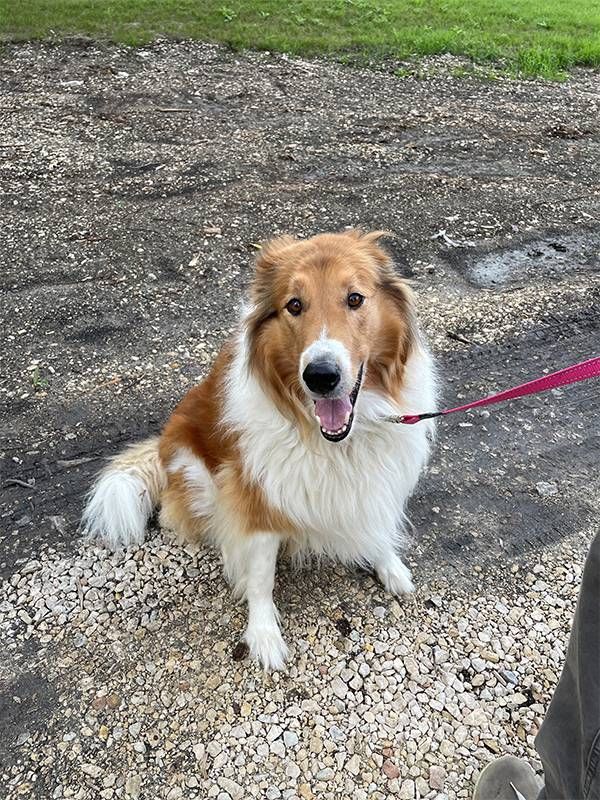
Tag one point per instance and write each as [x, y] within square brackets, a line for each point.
[355, 300]
[294, 306]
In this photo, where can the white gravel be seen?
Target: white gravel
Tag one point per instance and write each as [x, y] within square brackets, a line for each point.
[381, 698]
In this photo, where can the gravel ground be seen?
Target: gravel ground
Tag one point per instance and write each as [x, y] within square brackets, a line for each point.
[381, 698]
[134, 186]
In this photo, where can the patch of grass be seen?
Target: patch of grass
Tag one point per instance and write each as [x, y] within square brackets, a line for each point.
[39, 383]
[530, 37]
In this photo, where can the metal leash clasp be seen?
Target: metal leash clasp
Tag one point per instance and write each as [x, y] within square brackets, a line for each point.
[411, 419]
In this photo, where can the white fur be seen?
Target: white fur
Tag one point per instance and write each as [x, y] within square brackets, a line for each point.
[202, 490]
[124, 495]
[327, 349]
[348, 497]
[262, 635]
[394, 575]
[118, 510]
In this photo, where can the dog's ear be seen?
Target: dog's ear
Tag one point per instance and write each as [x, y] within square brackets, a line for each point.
[369, 241]
[399, 331]
[271, 252]
[266, 267]
[263, 309]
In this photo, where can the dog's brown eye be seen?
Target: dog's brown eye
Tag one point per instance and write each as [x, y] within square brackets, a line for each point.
[294, 306]
[355, 300]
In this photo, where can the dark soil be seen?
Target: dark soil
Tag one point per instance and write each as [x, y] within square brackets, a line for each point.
[136, 184]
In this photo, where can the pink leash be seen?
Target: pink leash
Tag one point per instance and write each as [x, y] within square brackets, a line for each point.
[564, 377]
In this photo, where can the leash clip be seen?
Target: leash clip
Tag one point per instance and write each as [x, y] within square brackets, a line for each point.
[411, 419]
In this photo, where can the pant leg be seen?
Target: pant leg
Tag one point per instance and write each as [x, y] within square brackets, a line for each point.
[569, 740]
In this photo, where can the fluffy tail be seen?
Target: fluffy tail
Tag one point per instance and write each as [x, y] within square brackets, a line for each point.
[124, 496]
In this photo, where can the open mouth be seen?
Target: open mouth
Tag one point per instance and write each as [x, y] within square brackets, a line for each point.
[336, 415]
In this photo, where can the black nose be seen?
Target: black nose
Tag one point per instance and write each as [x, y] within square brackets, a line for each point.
[321, 377]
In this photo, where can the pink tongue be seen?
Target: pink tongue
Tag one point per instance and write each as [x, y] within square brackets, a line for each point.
[332, 413]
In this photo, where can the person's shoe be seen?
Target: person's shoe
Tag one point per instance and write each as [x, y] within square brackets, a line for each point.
[507, 778]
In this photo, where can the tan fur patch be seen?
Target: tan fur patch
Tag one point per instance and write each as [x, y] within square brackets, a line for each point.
[175, 513]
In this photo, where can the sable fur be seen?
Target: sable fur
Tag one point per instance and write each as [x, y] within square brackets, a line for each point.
[242, 460]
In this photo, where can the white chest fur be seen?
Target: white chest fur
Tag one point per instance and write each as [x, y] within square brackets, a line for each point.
[347, 498]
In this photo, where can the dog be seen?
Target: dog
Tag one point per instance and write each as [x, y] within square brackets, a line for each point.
[284, 444]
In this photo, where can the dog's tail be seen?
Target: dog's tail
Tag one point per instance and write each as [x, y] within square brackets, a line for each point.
[124, 496]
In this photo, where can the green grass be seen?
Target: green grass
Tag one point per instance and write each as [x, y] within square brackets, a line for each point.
[532, 37]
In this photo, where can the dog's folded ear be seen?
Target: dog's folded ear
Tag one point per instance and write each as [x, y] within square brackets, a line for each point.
[271, 252]
[266, 267]
[369, 241]
[399, 330]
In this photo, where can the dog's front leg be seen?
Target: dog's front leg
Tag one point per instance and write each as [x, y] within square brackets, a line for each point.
[394, 574]
[263, 636]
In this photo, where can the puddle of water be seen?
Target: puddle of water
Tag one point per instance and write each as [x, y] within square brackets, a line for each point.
[541, 258]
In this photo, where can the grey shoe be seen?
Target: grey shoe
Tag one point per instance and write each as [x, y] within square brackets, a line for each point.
[507, 778]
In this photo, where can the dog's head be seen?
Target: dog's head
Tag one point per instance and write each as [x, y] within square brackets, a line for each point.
[329, 317]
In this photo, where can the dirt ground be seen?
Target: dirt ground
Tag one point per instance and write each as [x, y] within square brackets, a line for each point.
[135, 186]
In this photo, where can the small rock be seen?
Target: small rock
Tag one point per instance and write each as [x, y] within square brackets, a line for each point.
[510, 676]
[133, 785]
[325, 774]
[390, 769]
[437, 777]
[93, 770]
[476, 717]
[292, 770]
[113, 701]
[290, 739]
[231, 787]
[339, 688]
[199, 751]
[489, 655]
[277, 747]
[153, 737]
[517, 699]
[99, 703]
[274, 732]
[492, 745]
[214, 748]
[353, 765]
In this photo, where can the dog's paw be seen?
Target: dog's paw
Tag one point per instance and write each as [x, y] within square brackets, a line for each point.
[396, 577]
[267, 646]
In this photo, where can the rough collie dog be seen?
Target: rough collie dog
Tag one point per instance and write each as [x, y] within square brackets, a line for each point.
[284, 443]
